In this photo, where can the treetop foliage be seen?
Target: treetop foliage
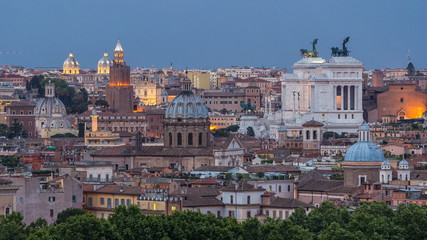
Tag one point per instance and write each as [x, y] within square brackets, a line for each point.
[369, 221]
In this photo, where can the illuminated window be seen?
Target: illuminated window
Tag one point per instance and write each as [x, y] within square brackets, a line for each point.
[154, 206]
[173, 208]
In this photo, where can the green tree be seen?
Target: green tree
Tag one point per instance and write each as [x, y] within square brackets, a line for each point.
[250, 131]
[411, 69]
[101, 103]
[325, 214]
[16, 130]
[83, 227]
[69, 212]
[335, 232]
[4, 130]
[12, 227]
[10, 161]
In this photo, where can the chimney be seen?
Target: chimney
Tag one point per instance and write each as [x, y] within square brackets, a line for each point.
[296, 191]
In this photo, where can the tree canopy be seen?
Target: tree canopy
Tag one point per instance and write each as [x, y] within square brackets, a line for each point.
[369, 221]
[75, 100]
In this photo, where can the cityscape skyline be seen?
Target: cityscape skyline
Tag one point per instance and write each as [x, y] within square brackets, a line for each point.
[195, 35]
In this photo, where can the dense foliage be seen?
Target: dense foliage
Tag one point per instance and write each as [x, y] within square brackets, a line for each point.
[369, 221]
[225, 132]
[14, 131]
[75, 100]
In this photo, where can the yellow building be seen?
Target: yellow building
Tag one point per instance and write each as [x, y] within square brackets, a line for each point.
[96, 138]
[219, 120]
[148, 93]
[101, 202]
[104, 64]
[71, 66]
[200, 79]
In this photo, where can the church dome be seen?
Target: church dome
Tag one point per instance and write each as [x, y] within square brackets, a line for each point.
[50, 106]
[57, 123]
[70, 61]
[105, 61]
[187, 105]
[364, 152]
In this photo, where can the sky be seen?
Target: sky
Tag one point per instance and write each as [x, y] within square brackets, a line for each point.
[211, 33]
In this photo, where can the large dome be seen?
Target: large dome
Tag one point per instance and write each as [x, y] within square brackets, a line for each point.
[71, 61]
[364, 151]
[187, 105]
[50, 106]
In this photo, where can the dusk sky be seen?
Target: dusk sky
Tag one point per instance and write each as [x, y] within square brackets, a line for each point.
[211, 34]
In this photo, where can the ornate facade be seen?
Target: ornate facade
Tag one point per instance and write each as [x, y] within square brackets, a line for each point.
[187, 120]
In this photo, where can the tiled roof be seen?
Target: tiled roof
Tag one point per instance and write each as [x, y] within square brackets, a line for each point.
[242, 187]
[313, 123]
[213, 169]
[287, 203]
[272, 168]
[123, 190]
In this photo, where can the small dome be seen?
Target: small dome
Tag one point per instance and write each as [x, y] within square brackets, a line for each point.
[364, 151]
[164, 93]
[71, 61]
[105, 61]
[50, 106]
[386, 163]
[364, 127]
[187, 105]
[403, 162]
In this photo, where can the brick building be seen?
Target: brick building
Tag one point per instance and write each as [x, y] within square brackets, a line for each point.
[22, 112]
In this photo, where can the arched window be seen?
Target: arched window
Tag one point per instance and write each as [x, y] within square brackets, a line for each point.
[190, 139]
[231, 199]
[248, 199]
[170, 139]
[307, 134]
[179, 139]
[314, 135]
[200, 138]
[7, 210]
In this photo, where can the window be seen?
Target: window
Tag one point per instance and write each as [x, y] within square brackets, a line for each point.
[89, 201]
[231, 199]
[7, 210]
[402, 100]
[200, 138]
[51, 199]
[248, 199]
[339, 116]
[230, 213]
[280, 188]
[307, 134]
[267, 212]
[51, 213]
[74, 198]
[173, 208]
[116, 202]
[127, 202]
[21, 112]
[154, 206]
[170, 138]
[109, 202]
[248, 214]
[179, 139]
[190, 139]
[289, 188]
[102, 201]
[314, 135]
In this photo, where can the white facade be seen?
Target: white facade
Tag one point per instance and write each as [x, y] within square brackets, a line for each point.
[326, 91]
[281, 188]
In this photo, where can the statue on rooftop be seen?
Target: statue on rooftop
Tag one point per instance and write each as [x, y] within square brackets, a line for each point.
[336, 52]
[313, 53]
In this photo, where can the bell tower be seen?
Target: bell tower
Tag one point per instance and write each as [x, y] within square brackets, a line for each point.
[120, 92]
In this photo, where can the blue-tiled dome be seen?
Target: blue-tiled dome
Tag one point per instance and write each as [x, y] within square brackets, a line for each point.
[187, 105]
[364, 151]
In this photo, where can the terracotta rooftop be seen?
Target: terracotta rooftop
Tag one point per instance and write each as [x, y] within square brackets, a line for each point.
[272, 168]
